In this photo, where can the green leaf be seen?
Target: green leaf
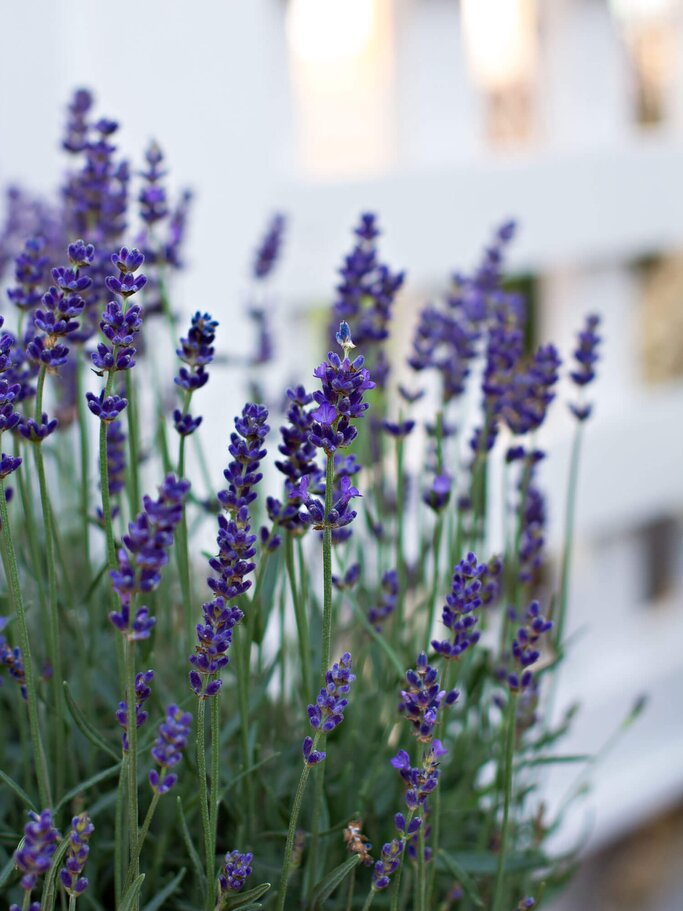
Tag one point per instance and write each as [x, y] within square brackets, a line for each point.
[88, 783]
[18, 790]
[6, 871]
[189, 844]
[329, 883]
[552, 760]
[50, 889]
[161, 897]
[379, 638]
[246, 772]
[468, 884]
[85, 727]
[484, 863]
[240, 901]
[132, 893]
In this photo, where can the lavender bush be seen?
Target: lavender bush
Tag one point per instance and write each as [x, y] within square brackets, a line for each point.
[182, 731]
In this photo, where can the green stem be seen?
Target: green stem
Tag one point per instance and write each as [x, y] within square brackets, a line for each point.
[142, 835]
[182, 545]
[326, 644]
[12, 573]
[104, 485]
[420, 880]
[120, 831]
[54, 649]
[369, 900]
[301, 621]
[243, 658]
[203, 786]
[507, 758]
[570, 514]
[84, 447]
[133, 445]
[215, 792]
[436, 548]
[291, 831]
[72, 902]
[131, 733]
[400, 561]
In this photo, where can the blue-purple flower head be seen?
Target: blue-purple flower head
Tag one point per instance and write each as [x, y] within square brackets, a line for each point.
[422, 699]
[328, 711]
[236, 870]
[107, 408]
[269, 251]
[246, 449]
[120, 327]
[474, 584]
[586, 356]
[145, 553]
[526, 647]
[127, 282]
[152, 198]
[37, 431]
[340, 401]
[388, 599]
[439, 492]
[30, 274]
[531, 390]
[76, 856]
[143, 691]
[168, 748]
[214, 638]
[12, 659]
[196, 351]
[34, 856]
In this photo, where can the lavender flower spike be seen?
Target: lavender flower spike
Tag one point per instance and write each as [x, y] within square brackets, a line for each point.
[586, 356]
[168, 748]
[77, 854]
[328, 711]
[34, 857]
[236, 870]
[142, 693]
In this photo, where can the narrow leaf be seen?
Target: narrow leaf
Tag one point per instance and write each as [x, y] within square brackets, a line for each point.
[88, 783]
[242, 900]
[189, 844]
[85, 727]
[50, 889]
[329, 883]
[168, 890]
[468, 884]
[131, 895]
[18, 790]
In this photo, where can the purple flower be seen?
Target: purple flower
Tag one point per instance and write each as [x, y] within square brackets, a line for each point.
[365, 296]
[8, 464]
[106, 409]
[77, 855]
[37, 432]
[34, 856]
[530, 391]
[196, 350]
[242, 473]
[525, 647]
[116, 458]
[474, 584]
[236, 870]
[120, 328]
[145, 553]
[398, 430]
[168, 748]
[340, 402]
[77, 124]
[422, 699]
[12, 659]
[387, 603]
[214, 638]
[438, 495]
[328, 711]
[270, 248]
[349, 579]
[142, 693]
[586, 356]
[152, 198]
[30, 274]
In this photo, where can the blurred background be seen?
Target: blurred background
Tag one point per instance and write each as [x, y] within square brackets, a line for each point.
[445, 117]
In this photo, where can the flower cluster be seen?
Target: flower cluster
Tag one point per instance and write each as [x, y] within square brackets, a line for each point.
[147, 544]
[236, 870]
[77, 855]
[142, 693]
[34, 856]
[366, 294]
[214, 638]
[530, 391]
[242, 474]
[30, 274]
[438, 493]
[328, 711]
[12, 659]
[152, 198]
[474, 584]
[421, 701]
[525, 651]
[586, 356]
[120, 325]
[340, 401]
[168, 748]
[196, 351]
[387, 604]
[340, 515]
[348, 580]
[10, 394]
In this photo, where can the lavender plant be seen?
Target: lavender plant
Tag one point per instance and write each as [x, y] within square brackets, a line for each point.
[126, 689]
